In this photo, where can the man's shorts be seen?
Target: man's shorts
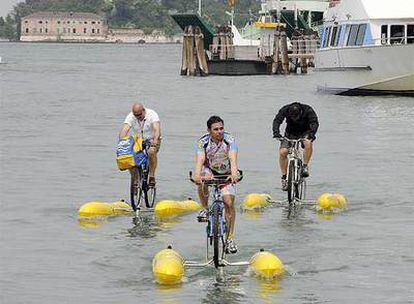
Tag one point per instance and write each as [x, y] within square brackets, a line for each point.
[228, 189]
[287, 144]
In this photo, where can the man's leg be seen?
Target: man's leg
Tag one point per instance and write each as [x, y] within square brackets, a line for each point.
[230, 213]
[203, 195]
[283, 161]
[152, 153]
[307, 152]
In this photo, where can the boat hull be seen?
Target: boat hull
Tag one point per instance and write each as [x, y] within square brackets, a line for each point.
[367, 70]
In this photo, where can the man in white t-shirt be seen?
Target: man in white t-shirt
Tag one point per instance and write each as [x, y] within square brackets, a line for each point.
[146, 123]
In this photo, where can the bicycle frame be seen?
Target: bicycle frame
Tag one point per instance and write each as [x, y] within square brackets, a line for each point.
[142, 171]
[218, 205]
[296, 183]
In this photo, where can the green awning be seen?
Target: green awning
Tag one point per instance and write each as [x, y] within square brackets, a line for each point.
[184, 20]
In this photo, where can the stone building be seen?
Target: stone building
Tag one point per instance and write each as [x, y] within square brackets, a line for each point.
[63, 26]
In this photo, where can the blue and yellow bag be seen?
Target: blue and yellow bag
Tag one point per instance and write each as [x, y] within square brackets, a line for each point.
[127, 150]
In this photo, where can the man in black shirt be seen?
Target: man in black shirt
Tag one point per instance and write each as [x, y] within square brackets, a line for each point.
[301, 122]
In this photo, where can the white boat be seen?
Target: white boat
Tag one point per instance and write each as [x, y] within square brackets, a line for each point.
[367, 48]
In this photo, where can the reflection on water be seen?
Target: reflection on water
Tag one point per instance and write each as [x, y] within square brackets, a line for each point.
[92, 222]
[267, 289]
[226, 289]
[146, 225]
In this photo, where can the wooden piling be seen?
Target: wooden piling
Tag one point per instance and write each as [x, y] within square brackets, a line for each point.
[201, 54]
[276, 48]
[284, 54]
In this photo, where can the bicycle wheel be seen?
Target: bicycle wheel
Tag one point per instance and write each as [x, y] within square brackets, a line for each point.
[149, 196]
[134, 190]
[291, 182]
[216, 238]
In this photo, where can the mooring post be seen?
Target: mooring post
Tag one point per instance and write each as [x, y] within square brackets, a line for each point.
[191, 53]
[276, 48]
[184, 59]
[201, 54]
[284, 49]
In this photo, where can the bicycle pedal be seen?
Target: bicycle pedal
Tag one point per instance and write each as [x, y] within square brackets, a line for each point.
[201, 219]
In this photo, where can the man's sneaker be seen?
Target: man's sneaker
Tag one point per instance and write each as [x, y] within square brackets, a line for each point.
[284, 184]
[305, 171]
[231, 246]
[202, 216]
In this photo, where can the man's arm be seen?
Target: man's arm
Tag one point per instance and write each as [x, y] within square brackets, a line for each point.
[156, 126]
[200, 159]
[313, 123]
[124, 131]
[277, 121]
[233, 165]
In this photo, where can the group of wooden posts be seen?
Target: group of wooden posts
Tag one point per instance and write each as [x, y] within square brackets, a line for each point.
[194, 58]
[301, 55]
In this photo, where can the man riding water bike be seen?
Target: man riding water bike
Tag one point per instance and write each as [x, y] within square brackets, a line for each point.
[144, 122]
[217, 155]
[301, 122]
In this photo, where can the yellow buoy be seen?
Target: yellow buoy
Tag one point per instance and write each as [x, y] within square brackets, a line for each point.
[255, 201]
[93, 209]
[168, 267]
[121, 208]
[342, 201]
[267, 265]
[331, 202]
[168, 208]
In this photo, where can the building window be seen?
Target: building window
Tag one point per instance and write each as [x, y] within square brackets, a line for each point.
[84, 30]
[98, 31]
[361, 34]
[40, 30]
[27, 30]
[68, 22]
[93, 22]
[86, 22]
[99, 22]
[397, 34]
[58, 22]
[93, 31]
[26, 21]
[410, 33]
[46, 21]
[45, 30]
[40, 21]
[384, 34]
[74, 31]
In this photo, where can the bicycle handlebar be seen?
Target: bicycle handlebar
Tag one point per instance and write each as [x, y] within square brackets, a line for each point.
[217, 179]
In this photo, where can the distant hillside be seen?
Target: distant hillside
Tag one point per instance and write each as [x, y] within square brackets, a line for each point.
[144, 14]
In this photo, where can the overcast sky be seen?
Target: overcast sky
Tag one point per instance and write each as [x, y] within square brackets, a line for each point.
[7, 5]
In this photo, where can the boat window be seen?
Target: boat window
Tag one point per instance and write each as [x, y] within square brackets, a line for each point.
[361, 34]
[338, 35]
[384, 34]
[333, 38]
[410, 33]
[327, 34]
[353, 34]
[397, 34]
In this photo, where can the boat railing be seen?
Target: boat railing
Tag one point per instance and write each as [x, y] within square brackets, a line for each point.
[394, 40]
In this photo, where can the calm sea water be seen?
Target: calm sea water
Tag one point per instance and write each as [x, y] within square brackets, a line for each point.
[62, 106]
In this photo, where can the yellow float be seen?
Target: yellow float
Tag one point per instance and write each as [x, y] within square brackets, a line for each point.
[330, 202]
[93, 209]
[168, 267]
[168, 208]
[266, 265]
[255, 201]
